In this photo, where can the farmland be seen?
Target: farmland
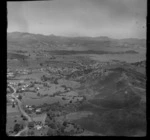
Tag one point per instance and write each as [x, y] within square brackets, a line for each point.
[55, 92]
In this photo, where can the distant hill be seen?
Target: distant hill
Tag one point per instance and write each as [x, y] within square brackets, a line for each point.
[52, 42]
[140, 64]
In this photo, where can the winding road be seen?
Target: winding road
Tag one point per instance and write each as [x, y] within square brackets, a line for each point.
[20, 107]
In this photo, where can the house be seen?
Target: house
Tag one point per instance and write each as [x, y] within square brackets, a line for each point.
[26, 106]
[38, 127]
[38, 110]
[30, 108]
[22, 88]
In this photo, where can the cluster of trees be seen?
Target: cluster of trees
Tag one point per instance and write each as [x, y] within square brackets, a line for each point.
[52, 132]
[38, 94]
[57, 129]
[13, 105]
[19, 97]
[18, 127]
[44, 78]
[31, 133]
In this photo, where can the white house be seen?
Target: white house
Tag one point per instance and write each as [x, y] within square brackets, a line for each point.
[27, 106]
[38, 110]
[38, 127]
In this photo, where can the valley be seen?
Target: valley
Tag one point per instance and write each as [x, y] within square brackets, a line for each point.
[79, 86]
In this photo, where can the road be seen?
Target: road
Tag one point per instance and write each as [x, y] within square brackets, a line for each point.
[23, 130]
[19, 103]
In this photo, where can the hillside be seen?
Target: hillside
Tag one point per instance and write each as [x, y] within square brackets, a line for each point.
[52, 42]
[77, 90]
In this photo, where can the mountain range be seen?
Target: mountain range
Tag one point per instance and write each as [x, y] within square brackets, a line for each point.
[52, 42]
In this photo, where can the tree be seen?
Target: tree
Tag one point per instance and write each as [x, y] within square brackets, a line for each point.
[18, 127]
[20, 97]
[30, 133]
[55, 81]
[62, 129]
[65, 123]
[63, 98]
[38, 94]
[13, 105]
[23, 133]
[51, 132]
[52, 125]
[24, 118]
[47, 121]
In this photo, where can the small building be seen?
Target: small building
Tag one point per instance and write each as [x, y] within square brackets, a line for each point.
[27, 106]
[30, 108]
[38, 110]
[22, 88]
[38, 127]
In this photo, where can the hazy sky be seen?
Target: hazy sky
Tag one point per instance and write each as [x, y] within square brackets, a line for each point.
[112, 18]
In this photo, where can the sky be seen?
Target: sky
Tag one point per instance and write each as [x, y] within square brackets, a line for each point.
[112, 18]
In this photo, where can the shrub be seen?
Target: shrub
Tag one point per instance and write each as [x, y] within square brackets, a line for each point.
[18, 127]
[30, 133]
[51, 132]
[65, 123]
[52, 125]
